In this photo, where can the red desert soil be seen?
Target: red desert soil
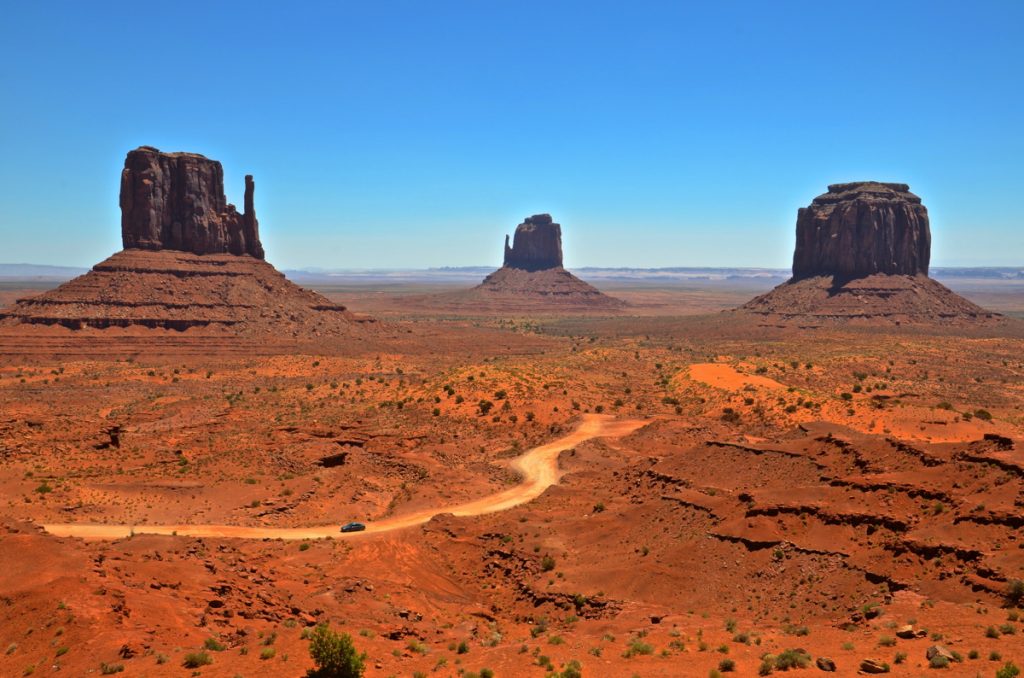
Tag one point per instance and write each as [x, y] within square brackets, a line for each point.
[788, 489]
[538, 468]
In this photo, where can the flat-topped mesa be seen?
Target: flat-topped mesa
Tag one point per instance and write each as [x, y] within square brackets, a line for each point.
[860, 229]
[537, 245]
[176, 201]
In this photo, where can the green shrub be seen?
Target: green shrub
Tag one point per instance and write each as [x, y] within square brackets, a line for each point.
[637, 647]
[938, 662]
[268, 653]
[110, 669]
[193, 660]
[334, 654]
[1015, 592]
[792, 659]
[727, 666]
[214, 644]
[571, 670]
[1009, 670]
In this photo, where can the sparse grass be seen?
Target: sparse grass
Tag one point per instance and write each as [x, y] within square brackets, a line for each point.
[268, 653]
[110, 669]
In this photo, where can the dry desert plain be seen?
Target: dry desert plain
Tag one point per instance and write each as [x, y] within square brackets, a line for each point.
[663, 491]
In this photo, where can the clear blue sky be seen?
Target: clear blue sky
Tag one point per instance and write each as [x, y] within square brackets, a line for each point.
[415, 134]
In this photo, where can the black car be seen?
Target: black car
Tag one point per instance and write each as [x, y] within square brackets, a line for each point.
[353, 527]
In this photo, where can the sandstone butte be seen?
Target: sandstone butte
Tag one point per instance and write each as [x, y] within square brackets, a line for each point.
[862, 255]
[532, 274]
[191, 262]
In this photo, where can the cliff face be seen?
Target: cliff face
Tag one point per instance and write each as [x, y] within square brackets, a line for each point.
[860, 229]
[536, 246]
[862, 252]
[175, 201]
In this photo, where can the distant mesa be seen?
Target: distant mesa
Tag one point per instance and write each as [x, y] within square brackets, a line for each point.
[862, 253]
[190, 262]
[537, 245]
[532, 276]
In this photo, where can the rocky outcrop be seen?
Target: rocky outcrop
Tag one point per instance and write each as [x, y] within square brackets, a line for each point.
[536, 246]
[532, 277]
[191, 264]
[862, 253]
[176, 201]
[860, 229]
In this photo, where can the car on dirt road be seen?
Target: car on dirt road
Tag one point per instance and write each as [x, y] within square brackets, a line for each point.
[353, 527]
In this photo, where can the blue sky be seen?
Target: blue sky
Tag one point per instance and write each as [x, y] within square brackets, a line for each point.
[416, 134]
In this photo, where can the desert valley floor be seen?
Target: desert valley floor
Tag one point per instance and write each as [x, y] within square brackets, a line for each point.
[680, 493]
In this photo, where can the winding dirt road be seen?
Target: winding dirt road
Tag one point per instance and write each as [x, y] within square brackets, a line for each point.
[538, 466]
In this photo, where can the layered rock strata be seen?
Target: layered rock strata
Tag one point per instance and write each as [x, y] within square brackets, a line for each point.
[190, 262]
[176, 201]
[862, 254]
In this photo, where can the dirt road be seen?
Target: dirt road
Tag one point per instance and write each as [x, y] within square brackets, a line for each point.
[538, 466]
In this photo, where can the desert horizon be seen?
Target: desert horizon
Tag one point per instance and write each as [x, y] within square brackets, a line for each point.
[532, 340]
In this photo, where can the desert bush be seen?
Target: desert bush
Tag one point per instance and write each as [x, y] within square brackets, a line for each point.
[193, 660]
[571, 670]
[637, 647]
[214, 644]
[792, 659]
[1015, 592]
[334, 654]
[110, 669]
[1009, 670]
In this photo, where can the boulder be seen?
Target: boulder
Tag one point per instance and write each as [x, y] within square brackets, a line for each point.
[874, 666]
[862, 228]
[938, 651]
[906, 632]
[826, 664]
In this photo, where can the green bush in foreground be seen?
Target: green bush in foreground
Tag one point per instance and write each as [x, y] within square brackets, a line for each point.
[335, 655]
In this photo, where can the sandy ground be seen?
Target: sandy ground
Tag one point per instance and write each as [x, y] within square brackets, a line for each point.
[688, 493]
[538, 467]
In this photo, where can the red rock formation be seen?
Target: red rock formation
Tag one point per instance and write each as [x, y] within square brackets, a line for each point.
[537, 245]
[175, 201]
[860, 229]
[862, 253]
[532, 276]
[191, 263]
